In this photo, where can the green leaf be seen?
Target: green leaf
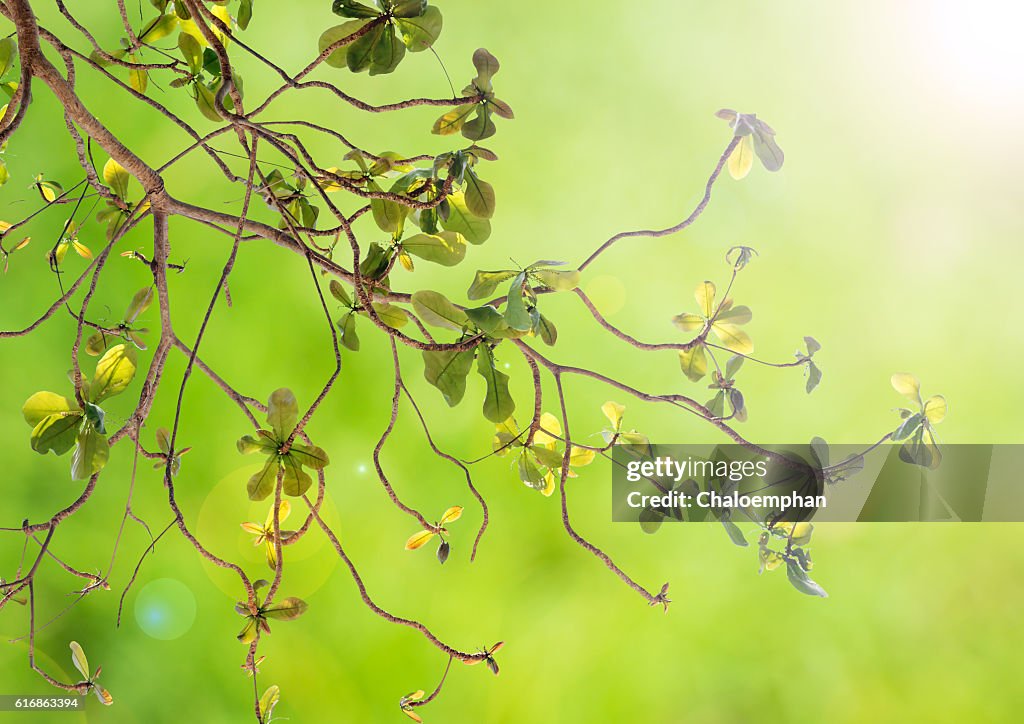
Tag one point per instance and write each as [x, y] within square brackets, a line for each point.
[908, 427]
[813, 376]
[447, 371]
[375, 264]
[498, 403]
[389, 215]
[262, 483]
[282, 412]
[480, 127]
[139, 304]
[735, 534]
[339, 292]
[487, 319]
[560, 281]
[263, 442]
[547, 331]
[517, 316]
[768, 151]
[8, 52]
[43, 404]
[114, 372]
[393, 316]
[388, 51]
[244, 14]
[56, 432]
[310, 456]
[349, 337]
[296, 480]
[479, 196]
[271, 696]
[91, 453]
[353, 9]
[408, 8]
[447, 248]
[435, 309]
[486, 68]
[474, 229]
[419, 33]
[801, 581]
[287, 609]
[529, 472]
[206, 102]
[694, 362]
[485, 283]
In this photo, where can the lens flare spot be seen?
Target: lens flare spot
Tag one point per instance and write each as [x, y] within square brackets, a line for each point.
[165, 609]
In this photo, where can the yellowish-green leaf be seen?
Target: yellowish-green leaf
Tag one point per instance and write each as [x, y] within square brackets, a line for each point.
[935, 409]
[79, 660]
[907, 385]
[705, 296]
[694, 362]
[613, 411]
[43, 404]
[688, 322]
[116, 177]
[114, 372]
[56, 432]
[91, 453]
[733, 337]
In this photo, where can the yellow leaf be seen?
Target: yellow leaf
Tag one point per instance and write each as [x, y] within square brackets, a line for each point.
[271, 555]
[907, 385]
[406, 261]
[705, 296]
[613, 411]
[418, 540]
[253, 529]
[286, 509]
[742, 158]
[82, 250]
[452, 514]
[413, 715]
[221, 11]
[550, 430]
[116, 177]
[549, 484]
[580, 456]
[935, 409]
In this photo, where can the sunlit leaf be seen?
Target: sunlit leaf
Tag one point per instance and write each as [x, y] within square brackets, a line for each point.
[742, 158]
[418, 540]
[907, 385]
[935, 409]
[116, 177]
[451, 515]
[114, 371]
[79, 660]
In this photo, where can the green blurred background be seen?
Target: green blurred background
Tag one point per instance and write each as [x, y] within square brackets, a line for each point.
[892, 235]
